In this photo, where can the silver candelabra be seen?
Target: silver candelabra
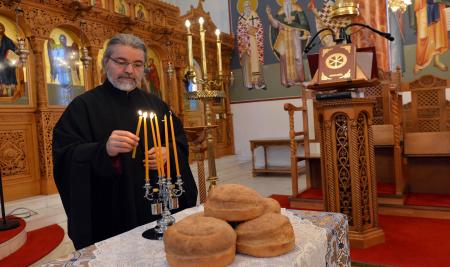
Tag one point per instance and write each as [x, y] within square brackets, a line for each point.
[163, 198]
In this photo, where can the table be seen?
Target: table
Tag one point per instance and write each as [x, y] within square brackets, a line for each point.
[266, 142]
[334, 226]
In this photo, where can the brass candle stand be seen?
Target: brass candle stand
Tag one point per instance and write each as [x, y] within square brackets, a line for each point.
[210, 90]
[197, 136]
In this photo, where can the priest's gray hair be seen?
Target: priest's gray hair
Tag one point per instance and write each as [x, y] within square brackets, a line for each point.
[123, 39]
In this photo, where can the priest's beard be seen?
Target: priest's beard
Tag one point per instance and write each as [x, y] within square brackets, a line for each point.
[122, 83]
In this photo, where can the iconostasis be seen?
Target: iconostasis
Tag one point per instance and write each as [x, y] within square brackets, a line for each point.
[64, 69]
[59, 57]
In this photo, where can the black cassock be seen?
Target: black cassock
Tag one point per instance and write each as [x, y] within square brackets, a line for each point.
[101, 201]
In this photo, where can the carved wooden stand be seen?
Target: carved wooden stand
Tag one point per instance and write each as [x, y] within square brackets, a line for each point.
[197, 143]
[348, 167]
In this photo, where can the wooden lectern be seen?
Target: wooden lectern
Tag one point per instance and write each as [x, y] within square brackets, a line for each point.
[346, 141]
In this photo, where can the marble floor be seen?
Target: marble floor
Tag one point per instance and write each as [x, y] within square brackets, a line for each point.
[48, 210]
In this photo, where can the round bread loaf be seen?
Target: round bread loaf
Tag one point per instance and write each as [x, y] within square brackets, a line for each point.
[200, 213]
[234, 203]
[271, 205]
[201, 242]
[267, 236]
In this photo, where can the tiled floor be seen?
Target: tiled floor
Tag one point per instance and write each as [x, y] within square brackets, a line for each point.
[229, 170]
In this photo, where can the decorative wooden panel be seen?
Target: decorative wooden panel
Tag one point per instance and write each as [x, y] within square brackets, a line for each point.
[46, 122]
[348, 166]
[12, 146]
[376, 92]
[384, 95]
[18, 155]
[429, 111]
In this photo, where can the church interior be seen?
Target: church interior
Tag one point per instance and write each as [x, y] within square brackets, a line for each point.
[337, 109]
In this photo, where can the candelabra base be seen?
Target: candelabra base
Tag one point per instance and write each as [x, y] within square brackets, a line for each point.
[157, 232]
[8, 224]
[154, 233]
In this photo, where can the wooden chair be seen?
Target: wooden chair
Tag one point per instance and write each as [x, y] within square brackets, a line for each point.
[388, 136]
[306, 156]
[427, 135]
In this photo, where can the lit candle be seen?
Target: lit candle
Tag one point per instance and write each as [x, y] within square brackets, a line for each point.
[159, 147]
[146, 147]
[219, 52]
[189, 41]
[202, 45]
[166, 136]
[137, 132]
[174, 145]
[155, 144]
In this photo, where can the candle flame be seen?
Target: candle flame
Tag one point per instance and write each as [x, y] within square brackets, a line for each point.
[187, 23]
[140, 112]
[217, 32]
[152, 115]
[201, 20]
[145, 115]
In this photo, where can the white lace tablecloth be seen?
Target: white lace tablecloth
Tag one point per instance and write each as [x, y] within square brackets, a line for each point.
[131, 249]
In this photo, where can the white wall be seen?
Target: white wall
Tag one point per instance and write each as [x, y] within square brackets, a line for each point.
[218, 10]
[266, 119]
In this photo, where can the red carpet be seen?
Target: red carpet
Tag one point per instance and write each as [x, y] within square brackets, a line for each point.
[409, 241]
[7, 235]
[312, 193]
[385, 189]
[283, 200]
[39, 243]
[433, 200]
[412, 199]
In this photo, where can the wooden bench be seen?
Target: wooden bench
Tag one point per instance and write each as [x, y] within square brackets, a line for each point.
[265, 143]
[428, 162]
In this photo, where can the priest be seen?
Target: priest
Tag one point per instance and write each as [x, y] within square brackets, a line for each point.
[100, 184]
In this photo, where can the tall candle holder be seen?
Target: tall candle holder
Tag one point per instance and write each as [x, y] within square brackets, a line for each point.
[21, 50]
[206, 94]
[197, 135]
[210, 90]
[84, 58]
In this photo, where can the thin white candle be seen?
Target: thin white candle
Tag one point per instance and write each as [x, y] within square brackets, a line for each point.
[189, 42]
[219, 52]
[202, 45]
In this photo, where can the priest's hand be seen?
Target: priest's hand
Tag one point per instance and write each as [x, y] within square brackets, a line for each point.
[121, 142]
[152, 157]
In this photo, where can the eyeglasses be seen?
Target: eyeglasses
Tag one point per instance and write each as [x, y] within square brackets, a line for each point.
[123, 63]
